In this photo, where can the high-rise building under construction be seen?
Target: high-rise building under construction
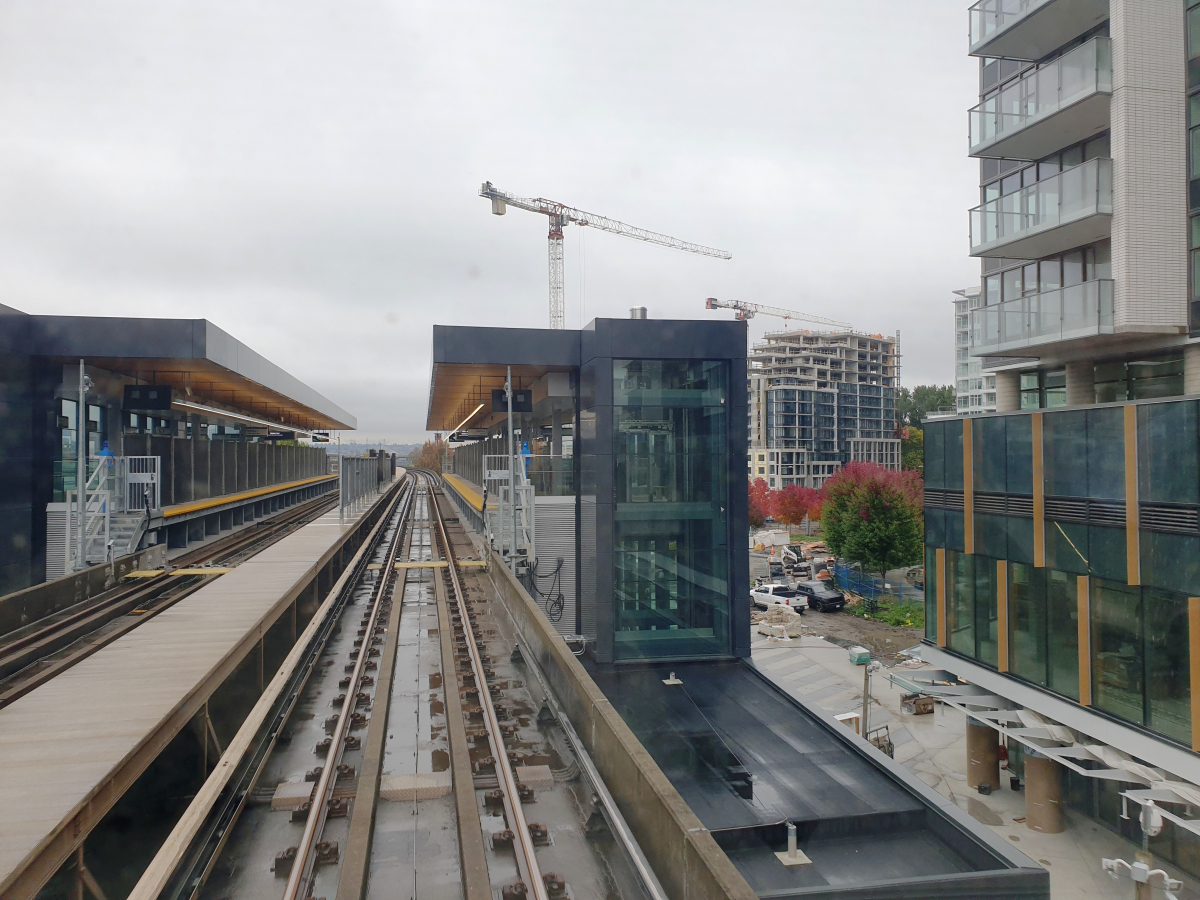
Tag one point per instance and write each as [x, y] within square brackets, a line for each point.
[820, 399]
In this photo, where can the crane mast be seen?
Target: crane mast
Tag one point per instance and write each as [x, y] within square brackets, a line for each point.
[747, 311]
[560, 216]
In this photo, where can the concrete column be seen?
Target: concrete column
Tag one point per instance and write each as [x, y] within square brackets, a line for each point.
[983, 755]
[1081, 383]
[1191, 369]
[1043, 793]
[1008, 391]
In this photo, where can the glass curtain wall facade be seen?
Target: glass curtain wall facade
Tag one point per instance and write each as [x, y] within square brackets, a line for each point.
[671, 555]
[1079, 623]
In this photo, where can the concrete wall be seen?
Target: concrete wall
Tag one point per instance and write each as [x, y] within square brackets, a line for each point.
[1149, 130]
[23, 607]
[1008, 391]
[682, 852]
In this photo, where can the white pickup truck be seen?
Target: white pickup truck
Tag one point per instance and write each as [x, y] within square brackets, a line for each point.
[766, 595]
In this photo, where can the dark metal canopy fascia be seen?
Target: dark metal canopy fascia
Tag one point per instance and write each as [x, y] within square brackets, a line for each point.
[194, 357]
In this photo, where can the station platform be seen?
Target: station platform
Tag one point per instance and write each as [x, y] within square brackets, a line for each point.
[468, 499]
[183, 511]
[70, 748]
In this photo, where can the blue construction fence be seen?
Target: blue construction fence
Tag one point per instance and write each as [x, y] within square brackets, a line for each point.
[872, 587]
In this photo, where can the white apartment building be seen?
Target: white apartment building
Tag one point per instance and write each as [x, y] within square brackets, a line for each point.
[818, 400]
[975, 390]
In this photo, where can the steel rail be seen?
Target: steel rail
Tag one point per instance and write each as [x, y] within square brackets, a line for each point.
[184, 861]
[305, 858]
[18, 655]
[527, 864]
[36, 870]
[227, 546]
[615, 819]
[356, 857]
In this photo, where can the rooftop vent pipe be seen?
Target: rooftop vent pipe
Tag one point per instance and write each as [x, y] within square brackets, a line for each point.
[637, 312]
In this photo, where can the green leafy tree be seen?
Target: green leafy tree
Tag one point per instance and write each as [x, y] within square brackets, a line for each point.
[873, 516]
[912, 450]
[913, 406]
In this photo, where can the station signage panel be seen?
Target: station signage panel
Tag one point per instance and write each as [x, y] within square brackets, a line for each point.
[522, 401]
[147, 397]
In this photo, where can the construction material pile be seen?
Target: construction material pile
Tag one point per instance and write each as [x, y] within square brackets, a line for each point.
[781, 623]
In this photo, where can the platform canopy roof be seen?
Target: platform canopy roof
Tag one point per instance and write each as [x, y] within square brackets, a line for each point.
[469, 363]
[204, 366]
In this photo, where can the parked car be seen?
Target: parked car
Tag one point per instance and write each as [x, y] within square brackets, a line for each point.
[821, 595]
[766, 595]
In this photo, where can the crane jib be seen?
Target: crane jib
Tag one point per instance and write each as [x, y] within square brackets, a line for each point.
[560, 216]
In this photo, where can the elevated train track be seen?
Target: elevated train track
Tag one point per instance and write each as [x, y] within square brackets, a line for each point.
[32, 655]
[432, 735]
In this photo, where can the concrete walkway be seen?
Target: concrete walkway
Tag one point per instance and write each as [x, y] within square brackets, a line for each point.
[820, 674]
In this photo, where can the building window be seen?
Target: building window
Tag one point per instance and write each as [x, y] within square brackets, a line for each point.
[1140, 661]
[1044, 389]
[670, 547]
[1144, 379]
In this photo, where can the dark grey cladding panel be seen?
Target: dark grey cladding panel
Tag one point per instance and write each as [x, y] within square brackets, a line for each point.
[16, 332]
[602, 338]
[464, 344]
[120, 337]
[596, 383]
[596, 431]
[595, 341]
[99, 336]
[664, 339]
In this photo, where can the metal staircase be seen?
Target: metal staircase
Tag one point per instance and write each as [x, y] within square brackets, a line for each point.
[120, 496]
[500, 518]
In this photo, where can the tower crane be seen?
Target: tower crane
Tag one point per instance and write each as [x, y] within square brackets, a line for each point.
[560, 216]
[746, 311]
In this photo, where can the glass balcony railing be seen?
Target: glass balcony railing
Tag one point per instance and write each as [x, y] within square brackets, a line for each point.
[1082, 310]
[1031, 29]
[991, 17]
[1074, 195]
[1084, 72]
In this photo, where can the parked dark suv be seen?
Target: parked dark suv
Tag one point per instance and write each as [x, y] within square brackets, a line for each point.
[822, 595]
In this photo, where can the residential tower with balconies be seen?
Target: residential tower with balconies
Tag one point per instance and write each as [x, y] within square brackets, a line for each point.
[1062, 531]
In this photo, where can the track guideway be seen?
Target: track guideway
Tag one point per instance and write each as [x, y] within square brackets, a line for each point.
[33, 655]
[419, 791]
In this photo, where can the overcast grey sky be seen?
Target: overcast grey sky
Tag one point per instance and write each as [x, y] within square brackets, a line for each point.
[304, 174]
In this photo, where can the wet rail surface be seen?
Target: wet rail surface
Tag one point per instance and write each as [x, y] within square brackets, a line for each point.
[416, 802]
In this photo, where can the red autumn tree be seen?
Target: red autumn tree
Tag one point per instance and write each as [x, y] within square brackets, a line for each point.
[874, 516]
[762, 502]
[795, 502]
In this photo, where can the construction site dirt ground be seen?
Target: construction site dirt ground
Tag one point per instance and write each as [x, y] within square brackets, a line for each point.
[884, 641]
